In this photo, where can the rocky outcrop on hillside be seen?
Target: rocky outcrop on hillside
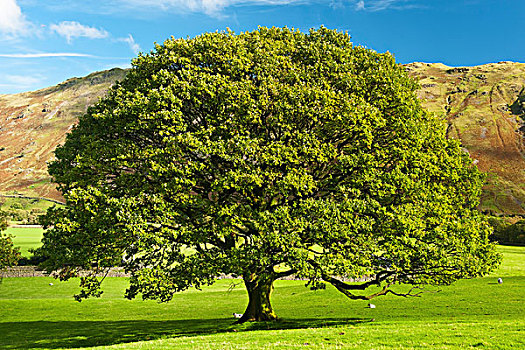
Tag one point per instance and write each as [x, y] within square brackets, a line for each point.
[32, 124]
[484, 106]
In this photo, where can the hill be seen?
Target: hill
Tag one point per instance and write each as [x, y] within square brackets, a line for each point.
[484, 107]
[32, 124]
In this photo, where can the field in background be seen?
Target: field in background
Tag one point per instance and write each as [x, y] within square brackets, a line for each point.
[478, 313]
[26, 238]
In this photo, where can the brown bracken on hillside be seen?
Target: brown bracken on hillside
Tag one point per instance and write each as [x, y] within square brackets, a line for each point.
[482, 108]
[32, 124]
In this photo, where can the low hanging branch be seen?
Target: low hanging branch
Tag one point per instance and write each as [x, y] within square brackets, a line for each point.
[341, 286]
[380, 277]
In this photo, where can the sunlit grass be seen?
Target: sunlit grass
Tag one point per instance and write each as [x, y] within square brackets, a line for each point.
[471, 313]
[26, 238]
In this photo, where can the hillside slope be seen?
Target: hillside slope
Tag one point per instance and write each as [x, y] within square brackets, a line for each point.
[484, 109]
[483, 105]
[32, 124]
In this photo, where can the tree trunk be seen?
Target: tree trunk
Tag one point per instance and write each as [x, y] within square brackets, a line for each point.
[259, 289]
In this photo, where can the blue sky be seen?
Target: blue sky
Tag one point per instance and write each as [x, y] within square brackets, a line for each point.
[44, 42]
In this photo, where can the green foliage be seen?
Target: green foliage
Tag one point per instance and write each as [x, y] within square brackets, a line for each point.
[16, 206]
[514, 233]
[9, 255]
[262, 155]
[505, 233]
[24, 211]
[518, 106]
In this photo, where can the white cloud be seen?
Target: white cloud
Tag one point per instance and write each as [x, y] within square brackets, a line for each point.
[40, 55]
[12, 20]
[71, 30]
[132, 44]
[16, 83]
[337, 4]
[379, 5]
[23, 81]
[210, 7]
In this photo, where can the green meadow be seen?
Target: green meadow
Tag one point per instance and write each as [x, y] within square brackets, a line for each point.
[477, 313]
[26, 238]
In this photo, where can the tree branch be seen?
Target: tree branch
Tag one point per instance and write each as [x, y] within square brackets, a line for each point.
[284, 273]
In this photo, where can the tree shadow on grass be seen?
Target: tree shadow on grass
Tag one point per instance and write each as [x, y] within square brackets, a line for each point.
[77, 334]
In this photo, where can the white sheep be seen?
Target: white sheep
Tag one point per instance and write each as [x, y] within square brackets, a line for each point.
[500, 280]
[237, 315]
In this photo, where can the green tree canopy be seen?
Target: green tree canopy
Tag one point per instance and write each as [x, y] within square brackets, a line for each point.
[262, 155]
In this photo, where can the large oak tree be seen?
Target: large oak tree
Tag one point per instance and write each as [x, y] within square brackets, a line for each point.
[263, 155]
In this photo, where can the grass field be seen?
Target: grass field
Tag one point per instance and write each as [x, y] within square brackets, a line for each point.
[26, 238]
[478, 313]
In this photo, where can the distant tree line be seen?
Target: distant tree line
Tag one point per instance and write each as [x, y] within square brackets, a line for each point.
[9, 255]
[506, 232]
